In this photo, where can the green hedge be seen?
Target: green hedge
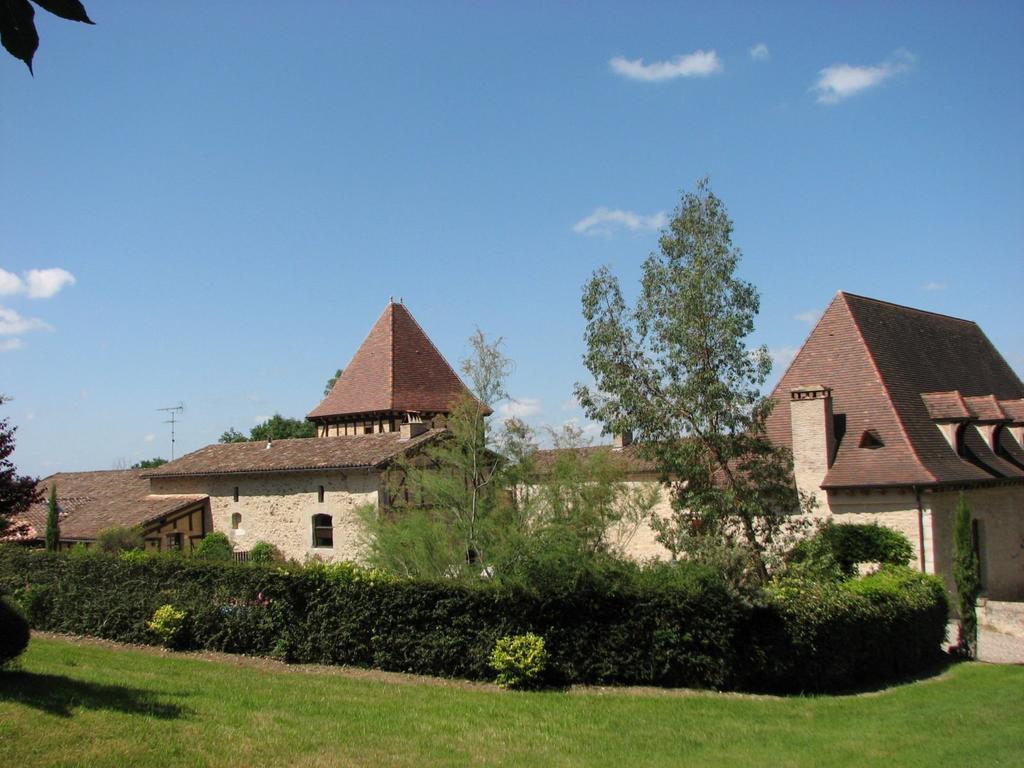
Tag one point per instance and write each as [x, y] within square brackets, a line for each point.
[674, 626]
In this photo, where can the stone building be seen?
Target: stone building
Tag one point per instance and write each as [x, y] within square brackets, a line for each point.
[890, 413]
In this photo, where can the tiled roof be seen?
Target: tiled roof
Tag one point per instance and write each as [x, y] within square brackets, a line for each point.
[879, 359]
[985, 408]
[947, 406]
[626, 459]
[88, 502]
[1014, 410]
[397, 368]
[310, 453]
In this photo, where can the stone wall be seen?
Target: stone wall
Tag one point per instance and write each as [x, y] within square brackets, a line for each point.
[279, 507]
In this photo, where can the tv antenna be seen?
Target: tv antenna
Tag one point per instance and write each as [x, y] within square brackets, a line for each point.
[173, 410]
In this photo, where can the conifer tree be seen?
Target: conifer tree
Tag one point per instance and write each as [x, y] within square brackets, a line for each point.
[966, 575]
[52, 522]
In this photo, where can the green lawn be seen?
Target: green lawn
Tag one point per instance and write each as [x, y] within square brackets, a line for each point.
[92, 706]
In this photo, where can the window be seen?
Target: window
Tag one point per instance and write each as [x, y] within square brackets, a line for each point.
[323, 531]
[871, 439]
[236, 493]
[320, 495]
[236, 520]
[174, 542]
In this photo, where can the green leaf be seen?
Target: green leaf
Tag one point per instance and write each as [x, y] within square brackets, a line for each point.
[18, 30]
[66, 9]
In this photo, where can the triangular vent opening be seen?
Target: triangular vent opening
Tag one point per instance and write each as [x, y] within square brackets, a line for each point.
[871, 439]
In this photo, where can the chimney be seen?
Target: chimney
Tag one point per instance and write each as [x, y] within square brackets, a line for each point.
[810, 411]
[411, 429]
[622, 439]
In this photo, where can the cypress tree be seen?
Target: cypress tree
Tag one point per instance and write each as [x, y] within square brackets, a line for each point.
[966, 576]
[52, 524]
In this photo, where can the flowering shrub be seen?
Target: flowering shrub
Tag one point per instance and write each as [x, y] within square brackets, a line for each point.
[167, 623]
[519, 660]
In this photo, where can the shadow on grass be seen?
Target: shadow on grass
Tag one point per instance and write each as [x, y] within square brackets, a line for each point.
[59, 695]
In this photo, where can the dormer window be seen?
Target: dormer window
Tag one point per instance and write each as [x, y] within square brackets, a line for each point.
[870, 439]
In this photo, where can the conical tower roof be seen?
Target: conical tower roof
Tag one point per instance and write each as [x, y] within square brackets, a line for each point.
[396, 369]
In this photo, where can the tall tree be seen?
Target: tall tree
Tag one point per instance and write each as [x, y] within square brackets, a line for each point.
[150, 463]
[277, 427]
[676, 372]
[52, 521]
[966, 575]
[17, 492]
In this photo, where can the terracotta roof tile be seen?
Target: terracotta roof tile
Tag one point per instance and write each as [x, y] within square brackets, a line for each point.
[1014, 410]
[879, 359]
[310, 453]
[626, 459]
[946, 406]
[397, 368]
[91, 501]
[985, 408]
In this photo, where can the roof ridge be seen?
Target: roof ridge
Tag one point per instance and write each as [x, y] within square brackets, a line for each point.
[904, 306]
[391, 356]
[433, 346]
[885, 389]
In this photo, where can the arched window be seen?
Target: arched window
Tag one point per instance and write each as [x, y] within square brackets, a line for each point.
[323, 531]
[236, 521]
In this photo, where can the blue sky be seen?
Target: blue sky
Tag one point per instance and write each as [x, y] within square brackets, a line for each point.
[212, 202]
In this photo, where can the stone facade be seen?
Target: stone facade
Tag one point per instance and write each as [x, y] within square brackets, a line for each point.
[279, 508]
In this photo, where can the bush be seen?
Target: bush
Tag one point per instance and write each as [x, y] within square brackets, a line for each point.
[117, 538]
[262, 552]
[519, 661]
[214, 546]
[167, 624]
[675, 625]
[14, 632]
[844, 545]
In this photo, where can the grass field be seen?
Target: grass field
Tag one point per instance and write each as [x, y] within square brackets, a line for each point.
[89, 705]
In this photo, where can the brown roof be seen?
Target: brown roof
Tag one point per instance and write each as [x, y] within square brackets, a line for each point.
[88, 502]
[985, 408]
[397, 368]
[309, 453]
[946, 406]
[879, 359]
[1014, 410]
[626, 459]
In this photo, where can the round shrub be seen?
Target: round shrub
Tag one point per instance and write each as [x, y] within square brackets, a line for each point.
[13, 631]
[519, 660]
[117, 538]
[167, 623]
[214, 546]
[263, 552]
[847, 544]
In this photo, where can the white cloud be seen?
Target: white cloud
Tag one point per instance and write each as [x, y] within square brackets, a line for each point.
[933, 286]
[30, 415]
[35, 283]
[782, 356]
[44, 283]
[13, 324]
[149, 438]
[840, 81]
[569, 405]
[9, 345]
[602, 221]
[520, 409]
[260, 419]
[696, 64]
[810, 316]
[760, 52]
[10, 283]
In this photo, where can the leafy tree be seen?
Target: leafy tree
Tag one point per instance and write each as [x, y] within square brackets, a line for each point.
[119, 538]
[675, 371]
[446, 499]
[18, 28]
[149, 463]
[966, 575]
[330, 382]
[277, 427]
[214, 546]
[52, 521]
[17, 492]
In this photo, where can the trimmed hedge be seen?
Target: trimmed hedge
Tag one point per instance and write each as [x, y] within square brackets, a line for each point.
[674, 626]
[14, 632]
